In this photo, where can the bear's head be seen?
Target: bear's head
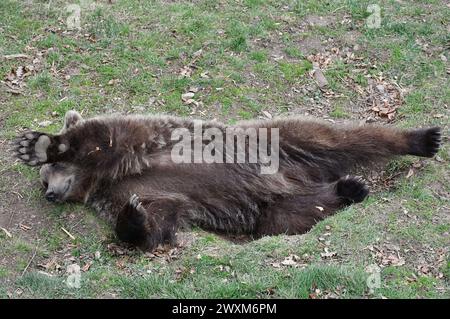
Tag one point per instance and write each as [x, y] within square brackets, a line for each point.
[62, 181]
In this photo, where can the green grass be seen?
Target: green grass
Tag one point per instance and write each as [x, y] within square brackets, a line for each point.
[338, 113]
[294, 71]
[128, 58]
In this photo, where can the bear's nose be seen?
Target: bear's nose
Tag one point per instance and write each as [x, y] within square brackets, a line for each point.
[50, 196]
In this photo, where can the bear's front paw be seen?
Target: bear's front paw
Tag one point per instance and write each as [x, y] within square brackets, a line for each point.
[32, 148]
[352, 189]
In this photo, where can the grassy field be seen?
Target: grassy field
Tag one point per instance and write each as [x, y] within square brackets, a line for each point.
[241, 59]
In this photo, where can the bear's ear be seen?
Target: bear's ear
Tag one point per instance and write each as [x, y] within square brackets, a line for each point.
[70, 119]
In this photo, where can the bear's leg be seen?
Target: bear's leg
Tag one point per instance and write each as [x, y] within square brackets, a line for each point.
[299, 213]
[81, 144]
[35, 148]
[338, 150]
[147, 223]
[110, 147]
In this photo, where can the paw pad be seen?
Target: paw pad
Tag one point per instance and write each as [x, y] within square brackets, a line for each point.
[32, 148]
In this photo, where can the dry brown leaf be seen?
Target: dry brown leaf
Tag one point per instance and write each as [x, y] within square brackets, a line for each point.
[186, 71]
[24, 227]
[290, 261]
[327, 253]
[87, 266]
[113, 81]
[410, 173]
[187, 96]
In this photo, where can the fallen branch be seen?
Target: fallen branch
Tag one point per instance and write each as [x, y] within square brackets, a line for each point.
[16, 56]
[68, 234]
[6, 232]
[29, 263]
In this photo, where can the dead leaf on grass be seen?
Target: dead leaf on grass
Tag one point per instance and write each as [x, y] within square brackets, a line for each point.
[384, 97]
[87, 266]
[387, 255]
[290, 261]
[14, 79]
[187, 70]
[327, 253]
[187, 96]
[24, 227]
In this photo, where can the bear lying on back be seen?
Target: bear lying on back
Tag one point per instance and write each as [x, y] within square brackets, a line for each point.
[124, 167]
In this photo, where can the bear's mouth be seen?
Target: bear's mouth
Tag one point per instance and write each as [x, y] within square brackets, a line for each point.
[66, 189]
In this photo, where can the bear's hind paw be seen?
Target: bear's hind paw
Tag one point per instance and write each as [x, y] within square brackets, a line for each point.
[425, 142]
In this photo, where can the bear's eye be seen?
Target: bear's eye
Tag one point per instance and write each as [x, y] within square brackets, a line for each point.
[45, 184]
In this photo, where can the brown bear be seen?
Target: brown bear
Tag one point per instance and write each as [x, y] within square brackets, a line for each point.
[125, 168]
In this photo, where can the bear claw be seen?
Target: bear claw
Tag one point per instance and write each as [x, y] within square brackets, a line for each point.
[135, 202]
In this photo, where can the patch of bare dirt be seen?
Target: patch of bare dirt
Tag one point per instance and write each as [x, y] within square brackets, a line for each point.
[16, 213]
[19, 220]
[24, 220]
[311, 45]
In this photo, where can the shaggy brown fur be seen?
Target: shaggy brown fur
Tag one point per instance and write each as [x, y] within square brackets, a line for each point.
[104, 161]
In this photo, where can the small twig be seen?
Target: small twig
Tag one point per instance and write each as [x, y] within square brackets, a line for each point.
[29, 263]
[337, 9]
[68, 234]
[6, 232]
[18, 194]
[15, 56]
[11, 218]
[75, 225]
